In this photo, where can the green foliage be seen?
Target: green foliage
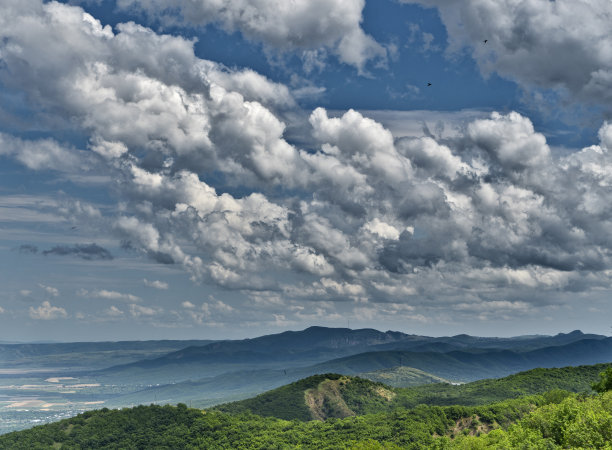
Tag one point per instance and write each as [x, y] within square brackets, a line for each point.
[605, 382]
[402, 376]
[551, 420]
[576, 422]
[536, 381]
[171, 427]
[362, 396]
[286, 402]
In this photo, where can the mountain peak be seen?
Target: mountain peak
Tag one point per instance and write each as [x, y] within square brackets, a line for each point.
[572, 333]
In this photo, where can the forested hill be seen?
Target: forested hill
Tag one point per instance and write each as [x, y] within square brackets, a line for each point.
[554, 420]
[318, 397]
[475, 364]
[332, 395]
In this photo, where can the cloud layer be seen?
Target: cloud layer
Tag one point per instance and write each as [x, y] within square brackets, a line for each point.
[308, 25]
[487, 217]
[562, 44]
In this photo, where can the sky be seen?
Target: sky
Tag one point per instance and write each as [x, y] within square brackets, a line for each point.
[226, 169]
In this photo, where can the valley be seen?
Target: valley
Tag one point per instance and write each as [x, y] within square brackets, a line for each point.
[42, 383]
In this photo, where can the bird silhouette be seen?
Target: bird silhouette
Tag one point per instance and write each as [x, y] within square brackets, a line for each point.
[428, 84]
[485, 41]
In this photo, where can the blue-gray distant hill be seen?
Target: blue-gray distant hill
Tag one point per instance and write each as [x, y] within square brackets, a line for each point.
[245, 377]
[315, 345]
[86, 355]
[474, 365]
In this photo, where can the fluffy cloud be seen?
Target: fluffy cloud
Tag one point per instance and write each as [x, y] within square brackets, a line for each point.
[46, 311]
[43, 154]
[113, 311]
[357, 217]
[302, 24]
[109, 295]
[139, 311]
[562, 44]
[50, 290]
[156, 284]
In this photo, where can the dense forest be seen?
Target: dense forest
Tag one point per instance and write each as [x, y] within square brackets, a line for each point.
[554, 419]
[333, 395]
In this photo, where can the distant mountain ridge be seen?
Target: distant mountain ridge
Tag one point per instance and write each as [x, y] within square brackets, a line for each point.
[209, 377]
[469, 366]
[318, 344]
[88, 355]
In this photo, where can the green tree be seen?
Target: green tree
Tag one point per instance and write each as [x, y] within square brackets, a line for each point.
[605, 382]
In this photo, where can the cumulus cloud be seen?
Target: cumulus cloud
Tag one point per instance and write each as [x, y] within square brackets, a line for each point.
[50, 290]
[89, 252]
[511, 140]
[44, 154]
[113, 311]
[109, 295]
[139, 311]
[46, 311]
[156, 284]
[309, 25]
[563, 44]
[360, 216]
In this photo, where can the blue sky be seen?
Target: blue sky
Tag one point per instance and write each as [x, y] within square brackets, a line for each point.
[172, 171]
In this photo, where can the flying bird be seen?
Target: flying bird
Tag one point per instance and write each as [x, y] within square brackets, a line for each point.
[428, 84]
[485, 41]
[73, 228]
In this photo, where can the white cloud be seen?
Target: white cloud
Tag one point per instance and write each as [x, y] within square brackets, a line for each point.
[144, 311]
[44, 154]
[360, 214]
[510, 139]
[113, 311]
[382, 229]
[47, 312]
[188, 305]
[300, 24]
[562, 44]
[109, 295]
[162, 285]
[49, 290]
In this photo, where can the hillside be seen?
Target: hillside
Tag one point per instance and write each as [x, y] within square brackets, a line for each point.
[535, 381]
[462, 366]
[352, 413]
[332, 395]
[181, 427]
[318, 397]
[402, 376]
[552, 421]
